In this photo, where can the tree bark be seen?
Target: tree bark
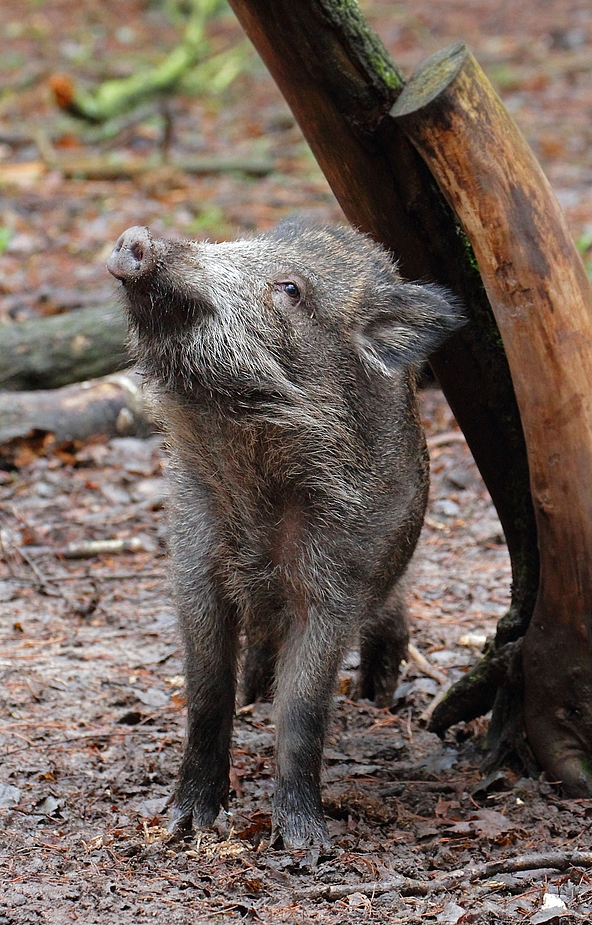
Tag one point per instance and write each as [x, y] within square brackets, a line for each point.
[542, 300]
[109, 407]
[341, 84]
[47, 353]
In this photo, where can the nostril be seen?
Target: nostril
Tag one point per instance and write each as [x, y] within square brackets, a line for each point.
[137, 252]
[133, 255]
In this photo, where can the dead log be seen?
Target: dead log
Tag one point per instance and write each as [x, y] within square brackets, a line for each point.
[46, 353]
[341, 84]
[109, 407]
[542, 300]
[101, 168]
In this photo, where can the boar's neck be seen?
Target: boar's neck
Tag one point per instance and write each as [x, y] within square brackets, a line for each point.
[328, 452]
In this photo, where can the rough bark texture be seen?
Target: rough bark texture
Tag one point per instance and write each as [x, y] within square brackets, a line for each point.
[47, 353]
[542, 300]
[341, 84]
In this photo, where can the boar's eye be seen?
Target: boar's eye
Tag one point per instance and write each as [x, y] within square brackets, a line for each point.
[290, 288]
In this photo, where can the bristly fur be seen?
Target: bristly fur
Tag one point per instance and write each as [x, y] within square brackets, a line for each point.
[283, 368]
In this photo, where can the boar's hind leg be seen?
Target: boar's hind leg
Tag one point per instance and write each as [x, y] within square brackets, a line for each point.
[259, 672]
[305, 683]
[383, 643]
[265, 633]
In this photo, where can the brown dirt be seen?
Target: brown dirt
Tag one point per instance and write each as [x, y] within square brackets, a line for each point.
[92, 728]
[94, 715]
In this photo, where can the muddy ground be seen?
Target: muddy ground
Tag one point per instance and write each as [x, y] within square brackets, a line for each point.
[92, 720]
[93, 725]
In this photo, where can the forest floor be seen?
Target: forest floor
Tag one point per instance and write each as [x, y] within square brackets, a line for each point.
[92, 724]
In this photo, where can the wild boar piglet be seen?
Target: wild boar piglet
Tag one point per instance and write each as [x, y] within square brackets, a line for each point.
[283, 370]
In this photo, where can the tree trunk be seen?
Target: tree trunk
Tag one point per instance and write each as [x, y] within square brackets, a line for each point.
[109, 407]
[542, 300]
[341, 84]
[47, 353]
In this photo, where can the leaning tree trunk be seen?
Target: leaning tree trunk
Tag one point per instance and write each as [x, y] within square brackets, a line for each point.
[542, 301]
[341, 85]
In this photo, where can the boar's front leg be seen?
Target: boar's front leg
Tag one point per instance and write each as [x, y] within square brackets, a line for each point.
[210, 635]
[305, 684]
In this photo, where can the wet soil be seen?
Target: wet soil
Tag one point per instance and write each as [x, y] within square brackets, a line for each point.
[91, 685]
[93, 723]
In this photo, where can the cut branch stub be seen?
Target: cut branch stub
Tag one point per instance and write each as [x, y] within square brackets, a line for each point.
[542, 301]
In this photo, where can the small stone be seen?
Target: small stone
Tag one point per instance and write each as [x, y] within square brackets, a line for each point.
[9, 796]
[446, 508]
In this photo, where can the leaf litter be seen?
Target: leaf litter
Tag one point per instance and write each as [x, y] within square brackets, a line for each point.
[93, 725]
[93, 721]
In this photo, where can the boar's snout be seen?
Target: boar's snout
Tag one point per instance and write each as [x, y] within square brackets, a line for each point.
[133, 256]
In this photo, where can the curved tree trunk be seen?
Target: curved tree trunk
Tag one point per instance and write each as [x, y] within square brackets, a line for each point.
[340, 83]
[542, 300]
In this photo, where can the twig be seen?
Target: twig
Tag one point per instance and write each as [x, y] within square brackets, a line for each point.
[42, 580]
[406, 886]
[33, 643]
[94, 577]
[94, 168]
[436, 525]
[88, 549]
[427, 713]
[124, 730]
[425, 666]
[27, 133]
[451, 436]
[115, 576]
[431, 786]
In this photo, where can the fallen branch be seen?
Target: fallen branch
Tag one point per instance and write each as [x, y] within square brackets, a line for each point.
[95, 168]
[46, 353]
[190, 61]
[559, 860]
[109, 407]
[407, 886]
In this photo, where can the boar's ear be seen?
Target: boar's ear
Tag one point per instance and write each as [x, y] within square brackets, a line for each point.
[406, 326]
